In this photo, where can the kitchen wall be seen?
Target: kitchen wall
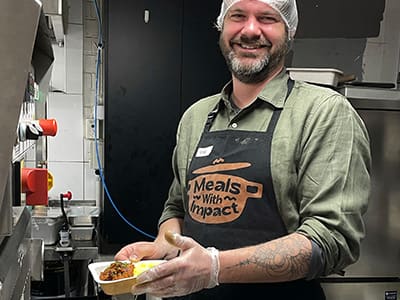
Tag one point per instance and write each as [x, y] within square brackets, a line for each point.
[70, 102]
[370, 59]
[381, 59]
[71, 153]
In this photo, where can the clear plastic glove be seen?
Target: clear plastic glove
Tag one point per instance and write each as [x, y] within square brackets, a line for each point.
[195, 269]
[159, 249]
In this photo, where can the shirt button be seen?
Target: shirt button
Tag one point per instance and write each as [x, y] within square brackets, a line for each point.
[234, 125]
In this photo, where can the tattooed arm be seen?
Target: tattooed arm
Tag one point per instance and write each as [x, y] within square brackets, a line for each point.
[283, 259]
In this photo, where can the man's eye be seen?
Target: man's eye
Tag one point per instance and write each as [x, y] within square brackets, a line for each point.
[237, 17]
[268, 19]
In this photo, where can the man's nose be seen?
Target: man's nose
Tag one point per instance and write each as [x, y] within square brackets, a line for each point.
[252, 27]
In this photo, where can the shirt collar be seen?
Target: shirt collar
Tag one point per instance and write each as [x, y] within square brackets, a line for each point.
[274, 92]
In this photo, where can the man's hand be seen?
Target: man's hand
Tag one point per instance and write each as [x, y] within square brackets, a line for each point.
[195, 269]
[159, 249]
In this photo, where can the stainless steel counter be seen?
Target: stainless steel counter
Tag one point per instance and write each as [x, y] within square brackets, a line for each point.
[372, 98]
[80, 250]
[69, 264]
[15, 257]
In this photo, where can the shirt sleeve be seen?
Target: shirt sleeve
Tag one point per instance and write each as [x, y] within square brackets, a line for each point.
[317, 262]
[173, 207]
[334, 182]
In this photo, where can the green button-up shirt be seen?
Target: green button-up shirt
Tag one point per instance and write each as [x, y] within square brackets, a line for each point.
[320, 162]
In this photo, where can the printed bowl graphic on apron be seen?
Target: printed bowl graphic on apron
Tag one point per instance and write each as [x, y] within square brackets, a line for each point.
[216, 198]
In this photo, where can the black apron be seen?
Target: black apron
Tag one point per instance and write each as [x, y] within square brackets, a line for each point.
[232, 204]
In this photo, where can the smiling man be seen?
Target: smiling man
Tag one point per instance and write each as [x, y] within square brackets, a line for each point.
[254, 41]
[271, 176]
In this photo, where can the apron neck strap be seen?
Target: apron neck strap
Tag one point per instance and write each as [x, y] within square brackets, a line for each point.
[212, 114]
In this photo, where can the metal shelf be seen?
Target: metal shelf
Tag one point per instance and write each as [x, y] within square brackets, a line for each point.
[372, 98]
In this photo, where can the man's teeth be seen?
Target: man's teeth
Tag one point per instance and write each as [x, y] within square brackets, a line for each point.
[249, 47]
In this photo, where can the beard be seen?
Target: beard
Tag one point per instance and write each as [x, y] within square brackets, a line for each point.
[261, 67]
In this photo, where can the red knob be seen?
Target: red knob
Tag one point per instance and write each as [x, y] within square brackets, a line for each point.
[67, 195]
[49, 126]
[34, 182]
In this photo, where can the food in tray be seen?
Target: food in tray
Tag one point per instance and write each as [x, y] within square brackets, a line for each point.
[118, 270]
[124, 269]
[122, 285]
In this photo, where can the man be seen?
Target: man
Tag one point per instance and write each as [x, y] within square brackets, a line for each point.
[273, 173]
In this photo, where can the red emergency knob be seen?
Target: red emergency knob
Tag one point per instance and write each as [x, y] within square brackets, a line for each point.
[49, 126]
[34, 183]
[67, 195]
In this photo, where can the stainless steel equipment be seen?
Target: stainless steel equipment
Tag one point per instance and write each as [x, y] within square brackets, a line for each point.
[377, 273]
[18, 26]
[26, 57]
[15, 258]
[69, 246]
[46, 225]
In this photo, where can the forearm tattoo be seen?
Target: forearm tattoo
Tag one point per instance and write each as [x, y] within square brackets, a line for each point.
[286, 258]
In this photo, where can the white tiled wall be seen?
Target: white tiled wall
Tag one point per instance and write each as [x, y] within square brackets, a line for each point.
[65, 150]
[74, 58]
[57, 82]
[68, 176]
[68, 158]
[67, 145]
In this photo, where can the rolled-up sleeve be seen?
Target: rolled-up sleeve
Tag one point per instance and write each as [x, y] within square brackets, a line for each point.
[334, 182]
[173, 207]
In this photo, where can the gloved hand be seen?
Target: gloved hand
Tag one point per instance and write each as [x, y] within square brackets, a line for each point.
[195, 269]
[159, 249]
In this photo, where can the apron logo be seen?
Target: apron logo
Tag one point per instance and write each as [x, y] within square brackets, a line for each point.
[204, 152]
[216, 198]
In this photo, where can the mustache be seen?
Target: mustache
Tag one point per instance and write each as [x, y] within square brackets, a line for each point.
[252, 41]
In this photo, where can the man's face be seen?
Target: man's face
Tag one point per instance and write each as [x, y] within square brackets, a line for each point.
[253, 40]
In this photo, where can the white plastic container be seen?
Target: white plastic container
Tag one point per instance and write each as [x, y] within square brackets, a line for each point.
[329, 77]
[119, 286]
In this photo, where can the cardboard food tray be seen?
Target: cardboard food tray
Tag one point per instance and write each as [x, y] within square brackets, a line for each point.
[329, 77]
[119, 286]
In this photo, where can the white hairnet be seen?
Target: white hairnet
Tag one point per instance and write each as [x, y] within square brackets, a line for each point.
[286, 8]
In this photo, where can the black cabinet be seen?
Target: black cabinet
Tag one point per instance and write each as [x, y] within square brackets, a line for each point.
[161, 56]
[204, 71]
[339, 18]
